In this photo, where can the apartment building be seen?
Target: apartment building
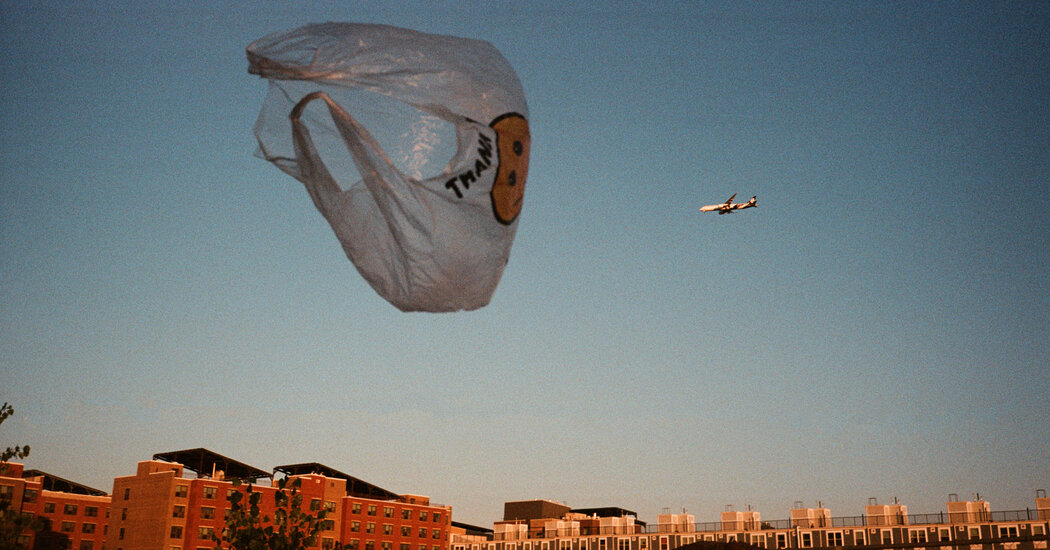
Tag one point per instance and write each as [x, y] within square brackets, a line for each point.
[967, 526]
[178, 500]
[161, 507]
[75, 515]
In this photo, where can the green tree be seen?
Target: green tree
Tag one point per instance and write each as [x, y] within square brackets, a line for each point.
[12, 522]
[17, 452]
[290, 528]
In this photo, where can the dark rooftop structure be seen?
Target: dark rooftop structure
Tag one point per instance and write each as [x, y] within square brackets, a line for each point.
[354, 487]
[55, 483]
[206, 463]
[525, 510]
[472, 529]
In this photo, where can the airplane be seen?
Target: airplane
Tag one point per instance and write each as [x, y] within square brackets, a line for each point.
[728, 207]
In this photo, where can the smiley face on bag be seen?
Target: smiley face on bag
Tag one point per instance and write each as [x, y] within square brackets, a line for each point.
[512, 143]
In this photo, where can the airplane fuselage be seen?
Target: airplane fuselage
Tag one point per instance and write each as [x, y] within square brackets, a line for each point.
[728, 207]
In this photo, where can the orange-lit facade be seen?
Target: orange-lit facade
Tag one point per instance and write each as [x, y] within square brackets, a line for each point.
[75, 517]
[161, 508]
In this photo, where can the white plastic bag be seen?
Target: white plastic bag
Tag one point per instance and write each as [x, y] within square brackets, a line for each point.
[413, 146]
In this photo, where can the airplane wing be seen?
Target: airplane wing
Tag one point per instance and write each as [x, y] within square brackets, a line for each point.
[730, 201]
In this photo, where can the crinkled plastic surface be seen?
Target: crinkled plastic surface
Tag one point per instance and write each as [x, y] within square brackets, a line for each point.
[414, 147]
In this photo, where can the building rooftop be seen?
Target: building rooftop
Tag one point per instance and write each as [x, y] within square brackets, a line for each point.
[609, 512]
[354, 487]
[55, 483]
[207, 463]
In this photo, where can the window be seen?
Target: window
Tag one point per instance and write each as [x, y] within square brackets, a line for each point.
[1037, 529]
[805, 540]
[437, 534]
[86, 545]
[887, 536]
[437, 517]
[975, 532]
[30, 495]
[388, 529]
[49, 507]
[315, 504]
[406, 514]
[835, 538]
[207, 512]
[422, 515]
[387, 545]
[123, 513]
[205, 533]
[127, 493]
[370, 527]
[68, 526]
[328, 525]
[406, 531]
[327, 543]
[180, 491]
[329, 506]
[388, 512]
[422, 532]
[176, 532]
[406, 546]
[663, 544]
[370, 545]
[1008, 531]
[758, 540]
[621, 544]
[210, 492]
[858, 537]
[91, 511]
[355, 527]
[371, 509]
[178, 511]
[356, 508]
[354, 543]
[87, 528]
[944, 534]
[120, 535]
[916, 536]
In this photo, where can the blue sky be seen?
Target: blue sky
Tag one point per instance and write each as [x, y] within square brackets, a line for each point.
[875, 328]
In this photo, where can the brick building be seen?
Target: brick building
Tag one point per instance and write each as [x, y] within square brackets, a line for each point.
[966, 526]
[161, 508]
[75, 515]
